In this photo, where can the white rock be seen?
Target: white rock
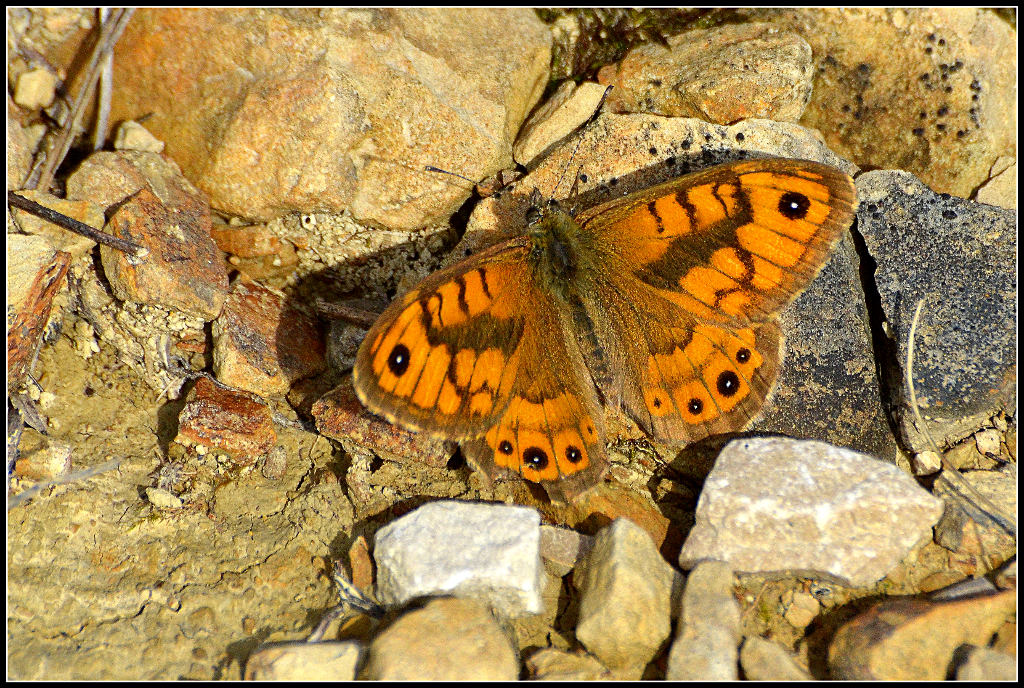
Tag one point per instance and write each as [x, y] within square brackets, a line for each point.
[988, 442]
[926, 462]
[793, 505]
[489, 552]
[162, 498]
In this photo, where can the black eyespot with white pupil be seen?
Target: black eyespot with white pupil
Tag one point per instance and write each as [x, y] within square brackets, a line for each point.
[743, 355]
[535, 458]
[794, 205]
[398, 360]
[573, 454]
[728, 383]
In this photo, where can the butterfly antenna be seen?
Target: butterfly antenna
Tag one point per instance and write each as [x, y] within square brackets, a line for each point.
[431, 168]
[580, 128]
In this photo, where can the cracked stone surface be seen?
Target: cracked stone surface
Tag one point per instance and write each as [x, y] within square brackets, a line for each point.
[103, 585]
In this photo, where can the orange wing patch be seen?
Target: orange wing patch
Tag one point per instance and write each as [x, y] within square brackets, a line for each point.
[543, 440]
[705, 378]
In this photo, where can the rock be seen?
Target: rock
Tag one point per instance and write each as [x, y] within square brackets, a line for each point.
[133, 136]
[263, 343]
[801, 609]
[934, 80]
[569, 107]
[339, 415]
[110, 177]
[445, 640]
[86, 212]
[253, 241]
[763, 660]
[327, 661]
[914, 640]
[163, 499]
[988, 441]
[967, 528]
[230, 420]
[275, 463]
[708, 636]
[791, 505]
[488, 552]
[562, 548]
[984, 664]
[722, 75]
[41, 457]
[965, 353]
[302, 116]
[926, 462]
[36, 89]
[626, 591]
[1001, 188]
[20, 148]
[183, 270]
[552, 664]
[360, 564]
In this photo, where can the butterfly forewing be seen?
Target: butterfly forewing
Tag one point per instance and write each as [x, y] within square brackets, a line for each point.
[734, 243]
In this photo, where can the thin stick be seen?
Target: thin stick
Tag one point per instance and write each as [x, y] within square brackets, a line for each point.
[73, 225]
[109, 33]
[99, 133]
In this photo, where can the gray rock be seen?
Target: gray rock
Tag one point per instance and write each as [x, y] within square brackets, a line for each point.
[790, 505]
[959, 256]
[489, 552]
[705, 648]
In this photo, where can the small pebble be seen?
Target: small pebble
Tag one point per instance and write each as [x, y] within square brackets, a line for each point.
[162, 499]
[988, 442]
[36, 89]
[133, 136]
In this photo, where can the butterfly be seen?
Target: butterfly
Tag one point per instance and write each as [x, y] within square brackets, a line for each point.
[661, 304]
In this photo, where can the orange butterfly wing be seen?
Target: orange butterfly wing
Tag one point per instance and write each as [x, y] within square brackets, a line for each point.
[695, 271]
[478, 353]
